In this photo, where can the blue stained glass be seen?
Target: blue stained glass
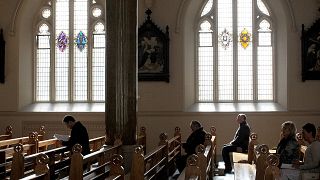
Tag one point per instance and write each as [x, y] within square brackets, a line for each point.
[62, 41]
[81, 40]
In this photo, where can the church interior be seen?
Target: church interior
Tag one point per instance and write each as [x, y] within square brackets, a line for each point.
[158, 104]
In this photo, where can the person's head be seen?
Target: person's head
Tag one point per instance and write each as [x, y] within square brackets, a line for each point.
[288, 129]
[309, 132]
[69, 121]
[241, 118]
[194, 125]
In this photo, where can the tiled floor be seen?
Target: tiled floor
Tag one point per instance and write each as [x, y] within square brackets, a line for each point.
[226, 177]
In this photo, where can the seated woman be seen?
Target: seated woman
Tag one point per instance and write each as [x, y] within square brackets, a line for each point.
[312, 155]
[288, 151]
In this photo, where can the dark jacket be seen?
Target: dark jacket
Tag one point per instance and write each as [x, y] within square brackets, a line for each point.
[241, 138]
[79, 135]
[288, 149]
[197, 137]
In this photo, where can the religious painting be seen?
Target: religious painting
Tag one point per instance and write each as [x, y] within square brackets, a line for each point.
[153, 52]
[310, 45]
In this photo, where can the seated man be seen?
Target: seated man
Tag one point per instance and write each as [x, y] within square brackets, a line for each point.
[79, 135]
[312, 155]
[238, 144]
[197, 137]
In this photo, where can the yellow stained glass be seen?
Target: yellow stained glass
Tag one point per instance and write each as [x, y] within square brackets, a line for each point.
[245, 38]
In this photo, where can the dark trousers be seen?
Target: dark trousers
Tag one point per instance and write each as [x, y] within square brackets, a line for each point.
[227, 148]
[181, 162]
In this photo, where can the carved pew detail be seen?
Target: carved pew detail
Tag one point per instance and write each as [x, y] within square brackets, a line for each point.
[192, 170]
[272, 171]
[262, 152]
[7, 134]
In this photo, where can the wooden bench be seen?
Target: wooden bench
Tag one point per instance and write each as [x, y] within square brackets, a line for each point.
[7, 134]
[142, 138]
[159, 163]
[204, 160]
[250, 157]
[96, 163]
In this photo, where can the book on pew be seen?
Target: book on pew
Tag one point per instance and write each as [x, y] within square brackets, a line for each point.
[61, 137]
[287, 166]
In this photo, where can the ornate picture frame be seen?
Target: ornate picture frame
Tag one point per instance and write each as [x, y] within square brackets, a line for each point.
[310, 46]
[153, 52]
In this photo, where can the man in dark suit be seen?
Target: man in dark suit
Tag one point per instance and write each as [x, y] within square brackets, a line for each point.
[197, 137]
[79, 135]
[238, 144]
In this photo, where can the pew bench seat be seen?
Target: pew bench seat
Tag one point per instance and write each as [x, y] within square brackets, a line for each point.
[244, 171]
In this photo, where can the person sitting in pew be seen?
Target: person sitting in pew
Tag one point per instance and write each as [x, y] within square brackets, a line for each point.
[196, 137]
[312, 155]
[288, 151]
[238, 144]
[79, 134]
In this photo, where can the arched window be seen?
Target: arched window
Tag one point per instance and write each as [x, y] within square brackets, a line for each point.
[70, 52]
[235, 52]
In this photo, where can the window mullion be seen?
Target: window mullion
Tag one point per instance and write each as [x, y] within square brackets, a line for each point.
[71, 50]
[89, 56]
[235, 51]
[254, 49]
[215, 50]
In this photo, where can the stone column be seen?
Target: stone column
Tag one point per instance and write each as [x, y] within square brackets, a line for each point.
[121, 72]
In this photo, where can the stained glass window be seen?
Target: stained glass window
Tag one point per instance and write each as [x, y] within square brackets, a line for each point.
[234, 59]
[66, 71]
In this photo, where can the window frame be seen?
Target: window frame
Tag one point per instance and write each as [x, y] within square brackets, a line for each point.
[257, 17]
[92, 21]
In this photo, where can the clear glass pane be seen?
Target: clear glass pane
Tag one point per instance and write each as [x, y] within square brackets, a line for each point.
[205, 39]
[225, 50]
[43, 74]
[96, 12]
[264, 39]
[264, 26]
[62, 58]
[265, 73]
[245, 69]
[205, 74]
[80, 69]
[46, 13]
[205, 27]
[99, 28]
[207, 8]
[43, 42]
[262, 7]
[44, 29]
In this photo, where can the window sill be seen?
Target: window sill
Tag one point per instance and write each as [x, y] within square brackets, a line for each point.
[236, 107]
[64, 107]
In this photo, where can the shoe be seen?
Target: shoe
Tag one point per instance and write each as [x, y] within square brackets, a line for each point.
[227, 171]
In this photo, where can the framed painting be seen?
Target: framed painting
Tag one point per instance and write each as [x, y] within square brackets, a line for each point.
[153, 52]
[310, 46]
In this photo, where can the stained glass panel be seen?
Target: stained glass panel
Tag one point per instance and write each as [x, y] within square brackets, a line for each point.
[245, 38]
[81, 41]
[225, 38]
[62, 41]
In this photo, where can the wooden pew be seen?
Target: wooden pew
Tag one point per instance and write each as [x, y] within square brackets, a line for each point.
[272, 171]
[22, 140]
[160, 162]
[57, 152]
[173, 147]
[261, 153]
[106, 156]
[204, 160]
[205, 157]
[41, 170]
[150, 166]
[192, 170]
[250, 157]
[142, 138]
[7, 134]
